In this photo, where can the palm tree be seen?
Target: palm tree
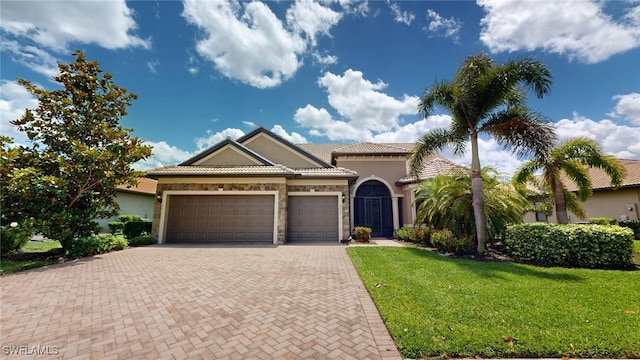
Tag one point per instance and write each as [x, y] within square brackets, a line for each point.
[485, 98]
[571, 159]
[445, 202]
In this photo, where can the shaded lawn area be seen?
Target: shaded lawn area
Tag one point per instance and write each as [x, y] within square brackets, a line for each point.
[34, 254]
[437, 306]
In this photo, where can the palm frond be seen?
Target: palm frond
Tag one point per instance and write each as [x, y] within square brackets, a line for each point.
[523, 131]
[572, 204]
[578, 174]
[428, 144]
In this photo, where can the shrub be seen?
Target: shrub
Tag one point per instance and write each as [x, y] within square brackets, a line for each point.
[418, 235]
[404, 233]
[603, 221]
[129, 217]
[94, 245]
[141, 240]
[136, 228]
[585, 246]
[116, 227]
[634, 225]
[446, 241]
[13, 238]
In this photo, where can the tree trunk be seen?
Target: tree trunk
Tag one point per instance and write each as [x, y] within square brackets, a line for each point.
[477, 195]
[561, 206]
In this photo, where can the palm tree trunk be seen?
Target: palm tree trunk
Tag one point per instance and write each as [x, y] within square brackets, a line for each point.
[561, 206]
[477, 196]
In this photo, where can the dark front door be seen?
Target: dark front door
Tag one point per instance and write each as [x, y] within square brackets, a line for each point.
[372, 208]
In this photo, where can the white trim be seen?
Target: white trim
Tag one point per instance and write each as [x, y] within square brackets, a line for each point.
[221, 180]
[338, 195]
[166, 198]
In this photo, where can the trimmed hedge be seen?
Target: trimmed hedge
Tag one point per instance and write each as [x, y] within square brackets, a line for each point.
[603, 221]
[585, 246]
[141, 240]
[136, 228]
[633, 225]
[94, 245]
[116, 227]
[125, 218]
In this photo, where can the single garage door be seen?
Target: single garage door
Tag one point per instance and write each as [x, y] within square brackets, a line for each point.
[313, 218]
[220, 218]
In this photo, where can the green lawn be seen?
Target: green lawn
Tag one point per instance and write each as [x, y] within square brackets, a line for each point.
[34, 254]
[436, 306]
[636, 246]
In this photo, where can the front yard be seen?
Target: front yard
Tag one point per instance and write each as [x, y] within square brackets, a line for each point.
[436, 306]
[34, 254]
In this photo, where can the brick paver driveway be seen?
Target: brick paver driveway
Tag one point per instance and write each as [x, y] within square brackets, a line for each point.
[260, 302]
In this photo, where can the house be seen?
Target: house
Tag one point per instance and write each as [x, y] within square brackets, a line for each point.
[137, 200]
[264, 188]
[622, 203]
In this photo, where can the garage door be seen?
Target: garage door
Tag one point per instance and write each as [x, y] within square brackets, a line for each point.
[313, 218]
[219, 218]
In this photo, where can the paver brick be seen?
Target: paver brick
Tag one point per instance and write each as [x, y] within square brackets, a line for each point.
[201, 301]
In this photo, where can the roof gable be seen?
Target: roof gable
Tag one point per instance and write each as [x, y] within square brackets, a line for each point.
[279, 150]
[227, 153]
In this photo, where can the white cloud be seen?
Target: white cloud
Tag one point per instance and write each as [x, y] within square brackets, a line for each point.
[247, 42]
[628, 107]
[579, 29]
[163, 154]
[618, 140]
[325, 59]
[323, 125]
[439, 26]
[32, 57]
[311, 18]
[413, 131]
[294, 137]
[55, 24]
[203, 143]
[404, 17]
[14, 99]
[153, 66]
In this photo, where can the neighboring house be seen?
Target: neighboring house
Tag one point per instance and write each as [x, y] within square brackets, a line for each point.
[137, 200]
[263, 188]
[620, 203]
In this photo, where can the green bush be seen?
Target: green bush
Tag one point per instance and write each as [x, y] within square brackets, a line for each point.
[634, 225]
[94, 245]
[129, 217]
[584, 246]
[446, 241]
[419, 235]
[136, 228]
[141, 240]
[13, 238]
[116, 227]
[603, 221]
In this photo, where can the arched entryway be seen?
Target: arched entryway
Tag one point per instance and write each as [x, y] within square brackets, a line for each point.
[372, 208]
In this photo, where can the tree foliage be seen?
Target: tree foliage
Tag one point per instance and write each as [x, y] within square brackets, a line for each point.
[490, 99]
[569, 161]
[77, 154]
[446, 203]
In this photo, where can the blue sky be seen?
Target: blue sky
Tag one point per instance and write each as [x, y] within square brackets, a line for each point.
[329, 71]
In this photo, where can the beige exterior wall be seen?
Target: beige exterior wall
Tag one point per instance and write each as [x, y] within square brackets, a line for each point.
[278, 153]
[390, 169]
[228, 157]
[608, 203]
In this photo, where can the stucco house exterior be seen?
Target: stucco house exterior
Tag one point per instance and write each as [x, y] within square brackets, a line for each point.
[137, 200]
[264, 188]
[622, 203]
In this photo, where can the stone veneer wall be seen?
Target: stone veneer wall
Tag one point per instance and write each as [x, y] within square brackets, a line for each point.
[344, 189]
[280, 188]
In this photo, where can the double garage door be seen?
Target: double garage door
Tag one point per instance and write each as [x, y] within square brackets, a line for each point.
[241, 218]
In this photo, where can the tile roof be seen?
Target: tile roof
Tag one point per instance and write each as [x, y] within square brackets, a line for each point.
[601, 181]
[326, 151]
[433, 166]
[277, 170]
[145, 186]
